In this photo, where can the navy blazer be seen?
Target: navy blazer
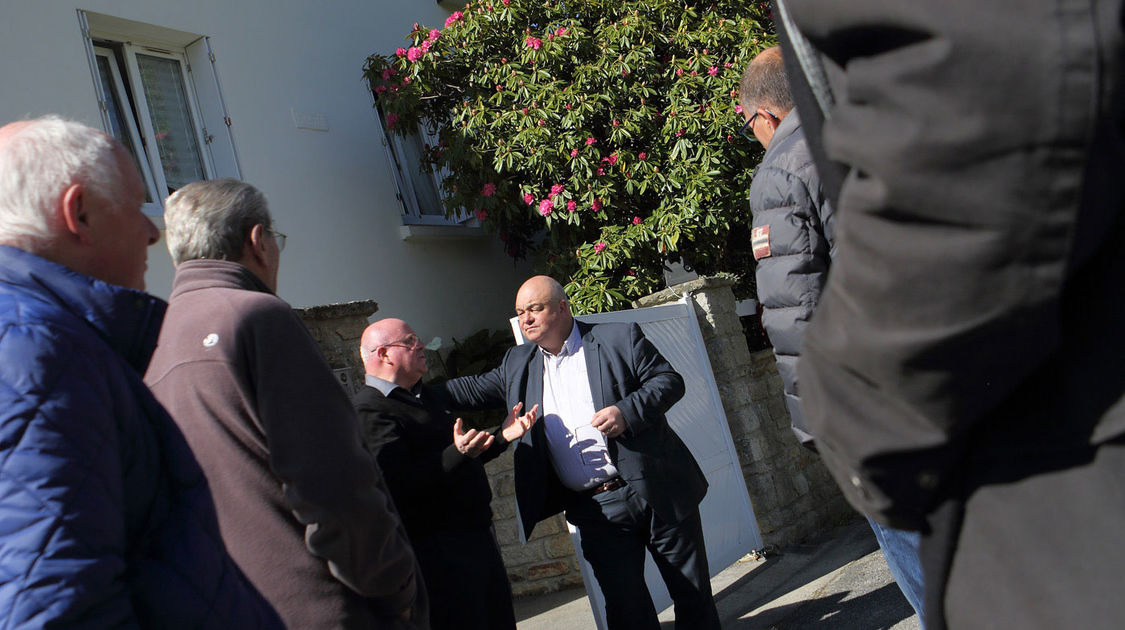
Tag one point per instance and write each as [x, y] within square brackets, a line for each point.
[625, 370]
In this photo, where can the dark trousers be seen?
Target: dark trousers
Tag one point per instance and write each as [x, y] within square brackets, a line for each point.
[466, 580]
[616, 527]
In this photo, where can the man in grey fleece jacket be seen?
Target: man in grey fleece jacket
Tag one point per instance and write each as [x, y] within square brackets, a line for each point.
[302, 506]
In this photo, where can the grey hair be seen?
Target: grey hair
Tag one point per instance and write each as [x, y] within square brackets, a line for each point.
[38, 162]
[765, 84]
[211, 219]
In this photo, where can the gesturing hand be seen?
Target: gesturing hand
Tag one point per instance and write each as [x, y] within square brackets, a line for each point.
[473, 442]
[514, 427]
[610, 421]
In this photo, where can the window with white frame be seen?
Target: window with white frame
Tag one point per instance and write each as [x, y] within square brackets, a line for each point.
[158, 105]
[419, 191]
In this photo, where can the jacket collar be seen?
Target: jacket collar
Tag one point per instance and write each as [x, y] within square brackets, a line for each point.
[127, 319]
[789, 126]
[193, 275]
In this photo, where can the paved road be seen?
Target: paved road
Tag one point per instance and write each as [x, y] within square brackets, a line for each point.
[839, 582]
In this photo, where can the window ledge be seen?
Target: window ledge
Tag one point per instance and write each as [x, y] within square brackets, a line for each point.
[418, 232]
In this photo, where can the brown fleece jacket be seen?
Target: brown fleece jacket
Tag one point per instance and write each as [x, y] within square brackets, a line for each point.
[302, 505]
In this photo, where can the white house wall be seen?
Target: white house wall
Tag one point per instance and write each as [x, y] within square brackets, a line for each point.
[331, 192]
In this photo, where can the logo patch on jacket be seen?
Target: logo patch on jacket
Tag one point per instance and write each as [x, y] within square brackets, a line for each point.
[760, 242]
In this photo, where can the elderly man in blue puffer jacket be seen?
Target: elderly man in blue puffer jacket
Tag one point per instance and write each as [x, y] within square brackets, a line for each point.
[105, 517]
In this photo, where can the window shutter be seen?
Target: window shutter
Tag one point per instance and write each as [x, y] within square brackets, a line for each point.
[88, 45]
[217, 134]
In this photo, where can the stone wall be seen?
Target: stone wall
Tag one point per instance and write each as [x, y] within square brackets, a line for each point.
[337, 328]
[793, 495]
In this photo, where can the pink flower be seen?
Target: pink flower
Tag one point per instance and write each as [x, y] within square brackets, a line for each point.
[557, 190]
[642, 156]
[499, 88]
[727, 65]
[457, 15]
[574, 153]
[636, 220]
[545, 207]
[560, 32]
[391, 120]
[734, 93]
[599, 246]
[505, 2]
[529, 198]
[524, 111]
[694, 73]
[600, 171]
[425, 46]
[488, 190]
[713, 70]
[567, 106]
[542, 123]
[379, 89]
[571, 206]
[612, 159]
[616, 123]
[738, 109]
[590, 141]
[481, 214]
[415, 53]
[406, 79]
[434, 34]
[388, 73]
[399, 52]
[532, 43]
[679, 133]
[679, 72]
[631, 272]
[597, 205]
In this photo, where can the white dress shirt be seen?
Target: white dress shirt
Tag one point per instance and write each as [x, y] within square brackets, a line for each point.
[578, 450]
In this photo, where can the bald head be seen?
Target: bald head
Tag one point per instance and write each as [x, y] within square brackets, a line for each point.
[391, 350]
[765, 84]
[544, 313]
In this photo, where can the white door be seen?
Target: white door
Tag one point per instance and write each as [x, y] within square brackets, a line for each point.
[729, 525]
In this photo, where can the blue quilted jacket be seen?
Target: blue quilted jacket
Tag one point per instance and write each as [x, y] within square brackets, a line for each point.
[105, 517]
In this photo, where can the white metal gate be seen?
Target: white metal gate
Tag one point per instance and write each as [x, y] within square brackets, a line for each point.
[729, 525]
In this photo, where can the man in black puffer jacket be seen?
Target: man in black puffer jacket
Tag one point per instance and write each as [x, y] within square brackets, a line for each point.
[793, 222]
[794, 241]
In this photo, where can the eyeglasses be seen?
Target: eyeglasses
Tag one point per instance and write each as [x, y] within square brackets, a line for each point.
[537, 307]
[279, 237]
[747, 129]
[410, 342]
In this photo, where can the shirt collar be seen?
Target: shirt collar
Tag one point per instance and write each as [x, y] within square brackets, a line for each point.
[572, 344]
[382, 385]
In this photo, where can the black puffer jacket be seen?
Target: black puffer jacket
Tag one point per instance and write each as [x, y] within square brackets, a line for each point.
[793, 240]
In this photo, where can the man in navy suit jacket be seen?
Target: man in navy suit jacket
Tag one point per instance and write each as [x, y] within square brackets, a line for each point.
[603, 451]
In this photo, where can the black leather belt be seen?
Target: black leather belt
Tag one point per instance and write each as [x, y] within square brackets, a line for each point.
[612, 484]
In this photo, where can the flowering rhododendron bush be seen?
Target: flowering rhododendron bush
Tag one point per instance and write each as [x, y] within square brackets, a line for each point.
[598, 138]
